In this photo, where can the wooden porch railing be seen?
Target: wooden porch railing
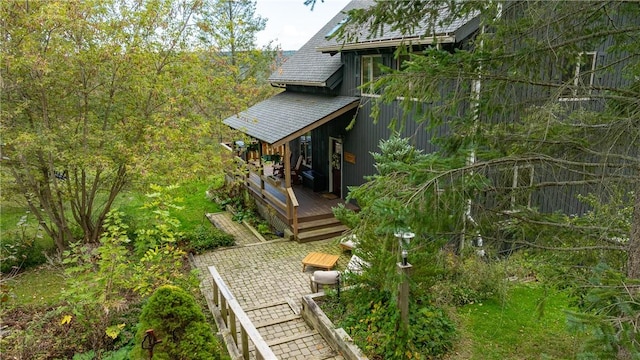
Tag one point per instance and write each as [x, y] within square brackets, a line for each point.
[289, 207]
[231, 311]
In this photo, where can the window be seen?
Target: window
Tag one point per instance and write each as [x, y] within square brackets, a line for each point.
[577, 77]
[305, 149]
[514, 186]
[370, 72]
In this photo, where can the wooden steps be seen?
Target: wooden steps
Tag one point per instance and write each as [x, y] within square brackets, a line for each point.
[320, 229]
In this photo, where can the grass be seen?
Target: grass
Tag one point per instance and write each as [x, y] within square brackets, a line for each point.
[194, 204]
[11, 212]
[516, 329]
[39, 286]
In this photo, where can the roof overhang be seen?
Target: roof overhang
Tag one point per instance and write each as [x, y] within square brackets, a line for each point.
[288, 115]
[331, 81]
[375, 44]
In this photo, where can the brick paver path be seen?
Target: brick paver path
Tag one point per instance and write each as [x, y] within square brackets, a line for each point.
[261, 273]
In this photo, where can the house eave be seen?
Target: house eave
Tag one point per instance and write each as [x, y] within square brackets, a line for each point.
[298, 83]
[316, 124]
[439, 39]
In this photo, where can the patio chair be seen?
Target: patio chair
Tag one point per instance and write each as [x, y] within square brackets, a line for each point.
[349, 242]
[323, 278]
[296, 174]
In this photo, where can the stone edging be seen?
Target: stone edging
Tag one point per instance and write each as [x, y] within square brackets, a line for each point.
[337, 338]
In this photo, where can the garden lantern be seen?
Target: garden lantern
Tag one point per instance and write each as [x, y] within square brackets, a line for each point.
[404, 239]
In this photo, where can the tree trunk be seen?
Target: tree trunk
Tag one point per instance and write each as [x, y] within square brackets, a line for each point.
[633, 256]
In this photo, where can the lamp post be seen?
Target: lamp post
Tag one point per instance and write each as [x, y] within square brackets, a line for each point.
[404, 239]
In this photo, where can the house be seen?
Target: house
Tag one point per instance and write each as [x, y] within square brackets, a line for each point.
[306, 124]
[308, 120]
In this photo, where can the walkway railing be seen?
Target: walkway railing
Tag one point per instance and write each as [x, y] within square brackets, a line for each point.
[232, 314]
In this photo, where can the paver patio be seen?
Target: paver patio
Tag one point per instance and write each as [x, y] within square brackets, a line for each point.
[260, 273]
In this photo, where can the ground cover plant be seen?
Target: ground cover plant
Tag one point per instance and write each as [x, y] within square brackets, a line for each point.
[98, 290]
[235, 198]
[371, 318]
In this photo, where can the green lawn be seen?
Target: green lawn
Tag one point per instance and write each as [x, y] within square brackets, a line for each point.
[515, 330]
[39, 286]
[194, 202]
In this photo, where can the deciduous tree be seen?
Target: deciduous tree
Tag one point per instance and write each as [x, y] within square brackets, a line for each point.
[97, 95]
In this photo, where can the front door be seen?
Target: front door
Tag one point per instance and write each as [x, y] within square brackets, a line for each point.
[335, 166]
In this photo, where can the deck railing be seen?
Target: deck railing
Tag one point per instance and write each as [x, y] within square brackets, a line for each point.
[288, 207]
[232, 314]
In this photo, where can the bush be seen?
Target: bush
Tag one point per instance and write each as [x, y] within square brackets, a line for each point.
[470, 279]
[204, 238]
[16, 252]
[372, 319]
[179, 323]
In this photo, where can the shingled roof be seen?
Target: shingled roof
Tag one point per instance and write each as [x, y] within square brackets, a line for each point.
[309, 67]
[422, 34]
[316, 64]
[288, 115]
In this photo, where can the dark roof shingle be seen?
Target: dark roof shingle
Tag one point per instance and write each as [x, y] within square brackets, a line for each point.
[276, 118]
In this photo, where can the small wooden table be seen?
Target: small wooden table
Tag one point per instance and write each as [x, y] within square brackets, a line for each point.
[319, 260]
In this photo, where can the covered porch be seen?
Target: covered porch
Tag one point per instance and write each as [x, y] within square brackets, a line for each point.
[307, 214]
[278, 174]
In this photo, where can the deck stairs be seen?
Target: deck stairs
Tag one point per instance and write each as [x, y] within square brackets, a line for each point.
[319, 227]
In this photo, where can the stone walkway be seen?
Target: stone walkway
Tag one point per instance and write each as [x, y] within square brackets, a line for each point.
[267, 280]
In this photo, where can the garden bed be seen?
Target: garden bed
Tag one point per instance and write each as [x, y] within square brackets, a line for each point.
[338, 339]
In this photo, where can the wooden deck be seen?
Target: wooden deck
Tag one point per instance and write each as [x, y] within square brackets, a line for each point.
[307, 214]
[312, 204]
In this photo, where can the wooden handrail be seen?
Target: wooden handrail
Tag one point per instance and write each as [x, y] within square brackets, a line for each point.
[224, 298]
[293, 200]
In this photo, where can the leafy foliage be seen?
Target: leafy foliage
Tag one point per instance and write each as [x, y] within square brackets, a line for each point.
[609, 314]
[164, 227]
[179, 323]
[20, 248]
[129, 99]
[470, 279]
[514, 112]
[205, 238]
[371, 319]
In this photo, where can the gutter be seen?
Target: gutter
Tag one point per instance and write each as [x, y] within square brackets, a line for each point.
[439, 39]
[301, 83]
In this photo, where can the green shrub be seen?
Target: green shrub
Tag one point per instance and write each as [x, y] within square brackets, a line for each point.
[16, 252]
[204, 238]
[372, 319]
[179, 323]
[22, 247]
[470, 279]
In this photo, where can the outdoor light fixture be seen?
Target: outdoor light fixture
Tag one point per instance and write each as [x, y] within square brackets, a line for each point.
[404, 239]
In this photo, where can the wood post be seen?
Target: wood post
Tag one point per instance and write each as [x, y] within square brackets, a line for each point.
[403, 294]
[232, 326]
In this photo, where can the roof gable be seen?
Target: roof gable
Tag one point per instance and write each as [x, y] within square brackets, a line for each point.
[316, 63]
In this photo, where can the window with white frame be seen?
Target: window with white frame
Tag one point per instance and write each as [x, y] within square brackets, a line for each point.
[305, 149]
[370, 71]
[514, 186]
[577, 76]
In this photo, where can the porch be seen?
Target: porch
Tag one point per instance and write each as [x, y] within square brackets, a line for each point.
[306, 215]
